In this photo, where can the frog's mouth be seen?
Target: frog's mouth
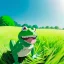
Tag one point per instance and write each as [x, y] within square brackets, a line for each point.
[30, 39]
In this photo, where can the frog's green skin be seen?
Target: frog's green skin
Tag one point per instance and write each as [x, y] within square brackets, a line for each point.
[21, 44]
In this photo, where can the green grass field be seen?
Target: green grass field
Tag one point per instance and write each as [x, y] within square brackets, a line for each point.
[49, 45]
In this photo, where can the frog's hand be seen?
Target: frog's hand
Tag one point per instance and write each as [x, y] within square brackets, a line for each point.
[35, 56]
[11, 44]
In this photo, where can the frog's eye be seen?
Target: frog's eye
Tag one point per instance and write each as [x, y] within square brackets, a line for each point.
[24, 28]
[34, 29]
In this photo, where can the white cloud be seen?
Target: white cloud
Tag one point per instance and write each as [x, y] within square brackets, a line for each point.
[57, 10]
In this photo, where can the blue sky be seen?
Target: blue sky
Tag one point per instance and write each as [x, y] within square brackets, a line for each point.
[40, 12]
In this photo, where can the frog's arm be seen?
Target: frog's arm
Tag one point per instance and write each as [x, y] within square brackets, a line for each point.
[12, 45]
[18, 48]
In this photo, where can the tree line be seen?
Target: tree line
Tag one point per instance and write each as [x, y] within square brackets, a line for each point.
[8, 21]
[36, 26]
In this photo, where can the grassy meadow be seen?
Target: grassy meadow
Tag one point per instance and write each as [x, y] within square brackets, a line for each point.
[49, 46]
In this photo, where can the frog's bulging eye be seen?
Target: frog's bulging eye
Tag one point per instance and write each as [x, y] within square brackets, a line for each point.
[24, 28]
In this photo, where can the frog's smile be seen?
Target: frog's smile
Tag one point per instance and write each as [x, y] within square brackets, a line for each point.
[30, 39]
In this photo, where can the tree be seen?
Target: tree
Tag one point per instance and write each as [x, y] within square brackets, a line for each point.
[35, 26]
[29, 26]
[6, 21]
[25, 25]
[56, 27]
[63, 28]
[16, 24]
[42, 26]
[52, 27]
[47, 27]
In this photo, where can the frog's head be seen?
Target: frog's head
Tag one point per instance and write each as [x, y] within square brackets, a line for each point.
[28, 35]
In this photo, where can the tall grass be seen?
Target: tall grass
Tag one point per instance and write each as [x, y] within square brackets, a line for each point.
[49, 46]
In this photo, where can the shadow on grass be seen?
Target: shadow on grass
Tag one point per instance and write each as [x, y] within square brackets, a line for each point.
[7, 58]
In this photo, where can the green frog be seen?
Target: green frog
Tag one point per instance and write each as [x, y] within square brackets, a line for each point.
[24, 45]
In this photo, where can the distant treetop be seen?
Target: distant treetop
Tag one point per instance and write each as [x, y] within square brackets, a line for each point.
[6, 21]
